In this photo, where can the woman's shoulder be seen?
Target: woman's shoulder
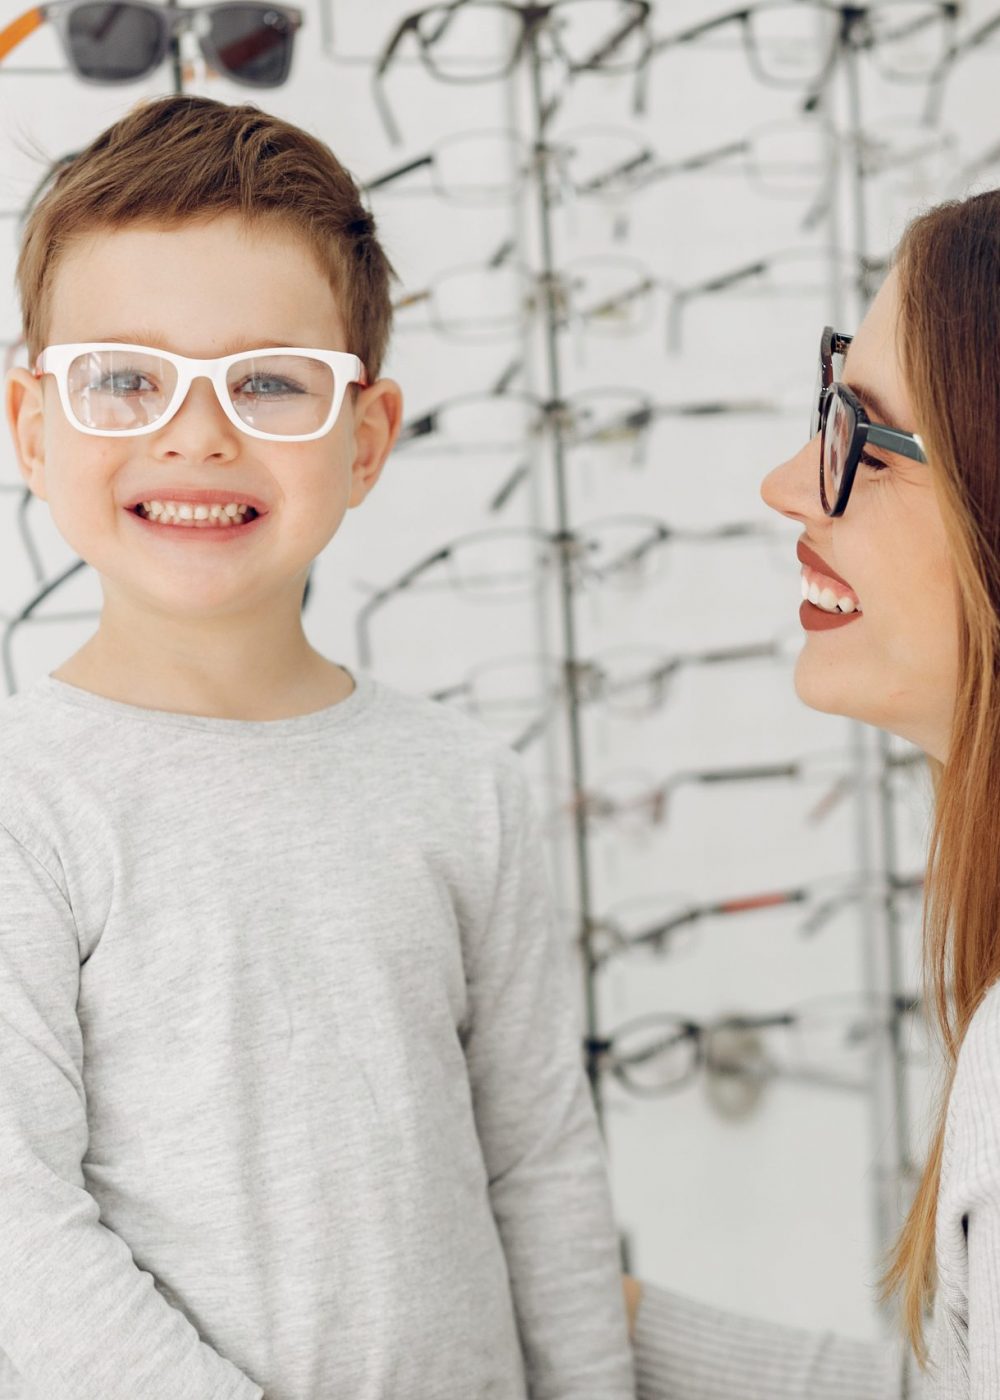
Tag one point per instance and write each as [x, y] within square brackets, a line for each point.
[971, 1161]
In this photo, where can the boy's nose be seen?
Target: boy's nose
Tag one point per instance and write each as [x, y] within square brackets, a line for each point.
[792, 488]
[199, 428]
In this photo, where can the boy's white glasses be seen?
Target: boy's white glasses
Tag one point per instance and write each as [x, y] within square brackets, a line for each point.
[284, 394]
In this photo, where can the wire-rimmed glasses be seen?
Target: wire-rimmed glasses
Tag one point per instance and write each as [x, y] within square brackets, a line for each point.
[476, 41]
[483, 302]
[510, 421]
[518, 695]
[671, 925]
[804, 271]
[480, 168]
[624, 552]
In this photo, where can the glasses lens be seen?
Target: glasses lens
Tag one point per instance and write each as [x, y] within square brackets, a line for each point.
[910, 39]
[471, 42]
[656, 1057]
[119, 390]
[252, 43]
[790, 160]
[791, 44]
[838, 434]
[478, 168]
[285, 395]
[607, 35]
[114, 43]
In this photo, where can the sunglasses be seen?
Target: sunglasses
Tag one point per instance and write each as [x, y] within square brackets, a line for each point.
[247, 40]
[845, 429]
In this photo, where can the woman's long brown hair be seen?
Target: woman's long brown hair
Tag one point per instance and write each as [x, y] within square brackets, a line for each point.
[949, 330]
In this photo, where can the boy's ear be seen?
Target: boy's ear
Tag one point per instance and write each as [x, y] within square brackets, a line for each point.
[26, 418]
[378, 417]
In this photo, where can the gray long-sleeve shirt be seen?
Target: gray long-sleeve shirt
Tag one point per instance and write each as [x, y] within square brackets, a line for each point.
[291, 1097]
[686, 1350]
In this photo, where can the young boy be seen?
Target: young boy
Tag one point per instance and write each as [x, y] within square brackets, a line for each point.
[291, 1100]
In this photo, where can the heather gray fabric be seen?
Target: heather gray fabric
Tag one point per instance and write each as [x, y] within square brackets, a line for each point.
[689, 1351]
[291, 1097]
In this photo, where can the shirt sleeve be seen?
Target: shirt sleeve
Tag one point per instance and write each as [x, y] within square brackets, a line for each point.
[79, 1320]
[690, 1350]
[536, 1122]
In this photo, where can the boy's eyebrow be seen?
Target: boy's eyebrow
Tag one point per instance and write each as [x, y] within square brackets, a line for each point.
[154, 341]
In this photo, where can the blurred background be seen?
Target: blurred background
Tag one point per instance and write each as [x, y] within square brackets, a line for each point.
[619, 229]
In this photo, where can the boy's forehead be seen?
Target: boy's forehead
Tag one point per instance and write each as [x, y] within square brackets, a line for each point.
[200, 288]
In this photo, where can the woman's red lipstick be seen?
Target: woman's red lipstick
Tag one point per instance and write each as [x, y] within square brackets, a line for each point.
[816, 619]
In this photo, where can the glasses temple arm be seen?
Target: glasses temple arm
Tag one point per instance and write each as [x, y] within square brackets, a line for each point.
[19, 29]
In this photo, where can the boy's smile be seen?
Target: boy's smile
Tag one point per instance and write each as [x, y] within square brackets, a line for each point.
[205, 288]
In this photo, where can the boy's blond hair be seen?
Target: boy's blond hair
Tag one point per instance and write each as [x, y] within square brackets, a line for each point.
[182, 158]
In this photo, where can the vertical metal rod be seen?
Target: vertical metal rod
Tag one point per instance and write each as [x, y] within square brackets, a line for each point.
[566, 581]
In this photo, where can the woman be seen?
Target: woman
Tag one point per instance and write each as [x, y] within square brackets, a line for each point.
[908, 639]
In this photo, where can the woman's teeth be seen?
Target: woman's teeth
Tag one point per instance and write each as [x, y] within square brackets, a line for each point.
[827, 599]
[196, 516]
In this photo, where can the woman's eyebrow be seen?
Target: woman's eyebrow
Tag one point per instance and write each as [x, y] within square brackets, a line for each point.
[875, 407]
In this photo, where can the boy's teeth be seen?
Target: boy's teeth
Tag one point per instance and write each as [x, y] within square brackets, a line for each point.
[183, 512]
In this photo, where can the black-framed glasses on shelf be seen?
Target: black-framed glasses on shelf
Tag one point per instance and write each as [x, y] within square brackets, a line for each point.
[672, 925]
[827, 1041]
[121, 41]
[840, 417]
[518, 696]
[623, 551]
[476, 41]
[796, 44]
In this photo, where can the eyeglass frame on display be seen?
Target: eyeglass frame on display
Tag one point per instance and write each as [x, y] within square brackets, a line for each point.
[850, 15]
[699, 1034]
[658, 533]
[533, 18]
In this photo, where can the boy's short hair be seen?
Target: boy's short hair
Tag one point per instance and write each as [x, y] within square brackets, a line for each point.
[181, 158]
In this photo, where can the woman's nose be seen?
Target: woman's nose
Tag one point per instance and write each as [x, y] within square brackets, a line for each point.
[793, 487]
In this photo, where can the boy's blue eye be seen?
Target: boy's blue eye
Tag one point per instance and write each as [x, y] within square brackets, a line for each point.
[266, 386]
[125, 381]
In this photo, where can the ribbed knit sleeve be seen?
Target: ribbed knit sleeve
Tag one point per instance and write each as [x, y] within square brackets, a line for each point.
[686, 1350]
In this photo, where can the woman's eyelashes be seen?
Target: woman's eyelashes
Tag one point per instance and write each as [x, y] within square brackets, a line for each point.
[869, 461]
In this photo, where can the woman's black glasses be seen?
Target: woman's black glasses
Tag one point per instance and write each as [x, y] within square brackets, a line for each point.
[846, 429]
[249, 41]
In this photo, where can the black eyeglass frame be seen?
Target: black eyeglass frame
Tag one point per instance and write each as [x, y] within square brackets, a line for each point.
[864, 431]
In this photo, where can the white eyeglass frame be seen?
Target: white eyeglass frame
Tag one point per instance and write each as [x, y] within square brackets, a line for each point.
[56, 360]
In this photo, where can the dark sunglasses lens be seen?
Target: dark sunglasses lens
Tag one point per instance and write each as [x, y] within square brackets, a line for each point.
[252, 43]
[114, 43]
[838, 435]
